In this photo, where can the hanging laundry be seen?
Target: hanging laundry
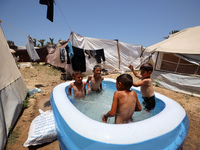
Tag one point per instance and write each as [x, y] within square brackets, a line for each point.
[63, 54]
[99, 55]
[50, 6]
[70, 50]
[31, 50]
[78, 60]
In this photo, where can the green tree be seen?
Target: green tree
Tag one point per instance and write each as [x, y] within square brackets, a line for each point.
[10, 43]
[35, 42]
[41, 42]
[174, 31]
[51, 39]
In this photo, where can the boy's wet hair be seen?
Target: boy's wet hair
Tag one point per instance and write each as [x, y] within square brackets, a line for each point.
[126, 80]
[96, 66]
[76, 72]
[147, 67]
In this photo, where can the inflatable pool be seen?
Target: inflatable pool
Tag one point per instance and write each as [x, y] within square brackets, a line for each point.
[76, 131]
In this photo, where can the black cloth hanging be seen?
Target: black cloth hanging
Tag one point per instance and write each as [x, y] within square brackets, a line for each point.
[68, 58]
[50, 6]
[99, 55]
[78, 60]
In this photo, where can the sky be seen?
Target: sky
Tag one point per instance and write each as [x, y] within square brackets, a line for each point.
[139, 22]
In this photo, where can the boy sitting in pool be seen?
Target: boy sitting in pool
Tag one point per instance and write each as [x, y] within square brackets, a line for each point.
[78, 86]
[146, 85]
[96, 79]
[125, 101]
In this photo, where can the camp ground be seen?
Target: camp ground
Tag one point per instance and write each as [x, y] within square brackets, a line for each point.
[177, 61]
[169, 67]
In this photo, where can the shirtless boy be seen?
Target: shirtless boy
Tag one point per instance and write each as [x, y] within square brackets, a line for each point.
[125, 101]
[146, 85]
[96, 79]
[78, 86]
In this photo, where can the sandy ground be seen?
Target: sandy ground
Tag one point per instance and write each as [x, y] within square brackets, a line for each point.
[46, 78]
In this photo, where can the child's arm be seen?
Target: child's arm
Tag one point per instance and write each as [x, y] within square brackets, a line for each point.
[102, 78]
[138, 106]
[89, 78]
[88, 87]
[113, 110]
[140, 83]
[134, 72]
[69, 89]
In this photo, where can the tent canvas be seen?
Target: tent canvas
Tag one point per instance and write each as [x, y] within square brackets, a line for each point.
[118, 55]
[177, 61]
[12, 90]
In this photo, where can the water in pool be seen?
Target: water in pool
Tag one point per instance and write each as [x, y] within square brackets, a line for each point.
[94, 105]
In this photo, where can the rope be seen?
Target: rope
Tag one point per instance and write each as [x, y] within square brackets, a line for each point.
[20, 31]
[13, 28]
[63, 16]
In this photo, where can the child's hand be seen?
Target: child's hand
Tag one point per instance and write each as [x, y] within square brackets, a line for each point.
[89, 89]
[131, 67]
[70, 96]
[104, 118]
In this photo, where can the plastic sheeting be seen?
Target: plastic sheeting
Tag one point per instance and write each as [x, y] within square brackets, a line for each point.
[8, 70]
[12, 90]
[118, 54]
[185, 45]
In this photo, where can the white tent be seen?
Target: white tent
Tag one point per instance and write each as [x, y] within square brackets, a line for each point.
[118, 55]
[12, 90]
[177, 61]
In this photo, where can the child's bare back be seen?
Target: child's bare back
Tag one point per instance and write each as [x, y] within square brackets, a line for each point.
[147, 88]
[127, 102]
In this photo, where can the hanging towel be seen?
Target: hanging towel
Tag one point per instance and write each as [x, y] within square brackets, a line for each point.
[70, 50]
[50, 6]
[78, 60]
[31, 50]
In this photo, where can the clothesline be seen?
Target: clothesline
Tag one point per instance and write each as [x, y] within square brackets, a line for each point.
[18, 30]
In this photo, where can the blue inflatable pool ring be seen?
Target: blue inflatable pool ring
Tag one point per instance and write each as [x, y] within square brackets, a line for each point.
[166, 130]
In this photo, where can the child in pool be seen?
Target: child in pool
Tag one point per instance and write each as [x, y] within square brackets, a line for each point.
[146, 85]
[96, 79]
[78, 86]
[125, 101]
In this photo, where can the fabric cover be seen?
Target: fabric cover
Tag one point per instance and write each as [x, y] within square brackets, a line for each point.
[185, 45]
[12, 90]
[129, 53]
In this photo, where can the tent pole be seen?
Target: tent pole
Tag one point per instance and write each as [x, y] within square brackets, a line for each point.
[118, 52]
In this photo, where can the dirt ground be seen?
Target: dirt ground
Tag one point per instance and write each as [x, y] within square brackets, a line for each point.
[46, 78]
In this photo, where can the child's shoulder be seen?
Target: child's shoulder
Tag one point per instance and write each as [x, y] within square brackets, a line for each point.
[71, 84]
[90, 76]
[147, 80]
